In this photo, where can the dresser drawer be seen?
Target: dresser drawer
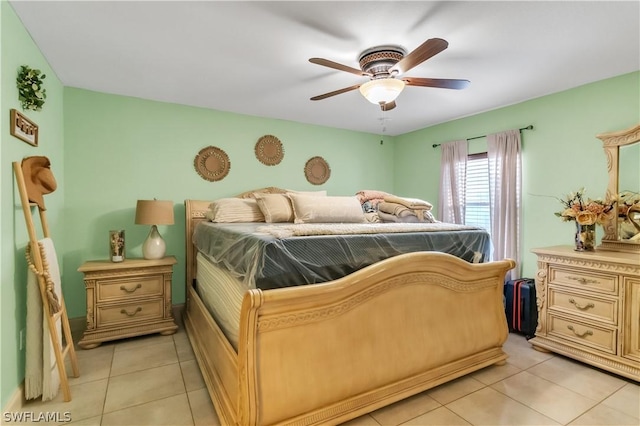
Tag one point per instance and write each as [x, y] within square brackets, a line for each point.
[129, 313]
[583, 279]
[600, 338]
[124, 288]
[590, 307]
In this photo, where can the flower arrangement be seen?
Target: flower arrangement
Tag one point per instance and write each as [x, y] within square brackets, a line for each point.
[31, 92]
[585, 211]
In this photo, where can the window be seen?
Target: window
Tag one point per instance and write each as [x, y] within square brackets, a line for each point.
[477, 211]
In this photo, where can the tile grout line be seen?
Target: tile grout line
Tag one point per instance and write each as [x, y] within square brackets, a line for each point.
[175, 346]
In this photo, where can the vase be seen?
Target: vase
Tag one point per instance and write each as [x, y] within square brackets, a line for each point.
[585, 237]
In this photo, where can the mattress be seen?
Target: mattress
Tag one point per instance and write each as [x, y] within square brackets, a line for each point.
[261, 259]
[222, 294]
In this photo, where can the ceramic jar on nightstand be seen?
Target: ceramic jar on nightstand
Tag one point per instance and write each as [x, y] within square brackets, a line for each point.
[126, 299]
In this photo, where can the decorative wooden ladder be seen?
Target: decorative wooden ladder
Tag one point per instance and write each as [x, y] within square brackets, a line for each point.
[53, 304]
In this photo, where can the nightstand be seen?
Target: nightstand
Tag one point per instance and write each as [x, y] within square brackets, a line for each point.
[127, 299]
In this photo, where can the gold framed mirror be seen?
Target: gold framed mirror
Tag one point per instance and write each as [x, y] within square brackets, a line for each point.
[622, 150]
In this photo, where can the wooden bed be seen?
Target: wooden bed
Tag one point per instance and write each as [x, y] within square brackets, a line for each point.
[327, 353]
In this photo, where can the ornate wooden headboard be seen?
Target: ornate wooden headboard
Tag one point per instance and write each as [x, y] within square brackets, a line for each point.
[195, 213]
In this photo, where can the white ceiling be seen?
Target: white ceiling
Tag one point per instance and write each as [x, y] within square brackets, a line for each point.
[252, 57]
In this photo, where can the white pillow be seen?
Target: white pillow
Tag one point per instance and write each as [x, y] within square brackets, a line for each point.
[234, 210]
[314, 209]
[275, 207]
[316, 193]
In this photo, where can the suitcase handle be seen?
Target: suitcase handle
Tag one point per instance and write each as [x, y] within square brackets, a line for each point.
[583, 307]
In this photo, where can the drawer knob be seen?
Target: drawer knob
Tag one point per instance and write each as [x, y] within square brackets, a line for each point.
[582, 307]
[131, 314]
[586, 333]
[122, 287]
[582, 280]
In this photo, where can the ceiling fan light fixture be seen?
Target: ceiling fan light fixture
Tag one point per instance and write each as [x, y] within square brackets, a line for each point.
[382, 91]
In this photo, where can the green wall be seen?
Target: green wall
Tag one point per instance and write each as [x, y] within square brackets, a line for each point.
[17, 48]
[120, 149]
[560, 155]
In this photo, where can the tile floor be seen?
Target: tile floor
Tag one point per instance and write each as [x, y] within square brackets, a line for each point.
[155, 380]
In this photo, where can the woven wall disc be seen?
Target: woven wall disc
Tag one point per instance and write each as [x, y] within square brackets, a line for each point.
[317, 170]
[269, 150]
[212, 163]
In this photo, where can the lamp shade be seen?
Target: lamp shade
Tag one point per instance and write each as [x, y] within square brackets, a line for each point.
[382, 91]
[154, 212]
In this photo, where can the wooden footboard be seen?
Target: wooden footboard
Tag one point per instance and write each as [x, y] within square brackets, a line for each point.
[216, 358]
[327, 353]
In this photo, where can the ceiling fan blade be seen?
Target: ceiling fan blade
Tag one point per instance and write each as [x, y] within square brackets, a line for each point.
[442, 83]
[426, 50]
[388, 106]
[335, 92]
[337, 66]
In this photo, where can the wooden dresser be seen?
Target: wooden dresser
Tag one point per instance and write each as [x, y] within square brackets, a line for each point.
[589, 307]
[127, 299]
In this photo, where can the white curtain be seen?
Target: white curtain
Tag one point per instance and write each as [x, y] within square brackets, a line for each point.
[453, 178]
[505, 193]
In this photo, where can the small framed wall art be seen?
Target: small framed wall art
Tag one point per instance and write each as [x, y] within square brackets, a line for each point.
[23, 128]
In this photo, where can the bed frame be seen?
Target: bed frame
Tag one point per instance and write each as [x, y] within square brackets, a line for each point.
[328, 353]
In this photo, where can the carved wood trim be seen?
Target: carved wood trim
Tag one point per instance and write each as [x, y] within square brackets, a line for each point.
[621, 137]
[266, 323]
[592, 264]
[541, 297]
[128, 272]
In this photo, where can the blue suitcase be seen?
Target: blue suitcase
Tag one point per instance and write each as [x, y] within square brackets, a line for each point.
[520, 306]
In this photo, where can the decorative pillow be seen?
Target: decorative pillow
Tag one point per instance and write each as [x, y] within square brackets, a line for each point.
[371, 195]
[412, 203]
[234, 210]
[314, 209]
[275, 207]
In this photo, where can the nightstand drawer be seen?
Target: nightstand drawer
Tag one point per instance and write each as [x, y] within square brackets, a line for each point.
[600, 338]
[583, 279]
[595, 308]
[132, 312]
[122, 289]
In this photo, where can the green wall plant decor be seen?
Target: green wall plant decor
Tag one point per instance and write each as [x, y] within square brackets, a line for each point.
[31, 92]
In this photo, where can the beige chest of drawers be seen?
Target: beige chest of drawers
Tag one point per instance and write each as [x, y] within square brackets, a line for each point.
[127, 299]
[589, 307]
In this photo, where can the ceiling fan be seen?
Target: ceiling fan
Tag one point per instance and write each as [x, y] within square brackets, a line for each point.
[383, 65]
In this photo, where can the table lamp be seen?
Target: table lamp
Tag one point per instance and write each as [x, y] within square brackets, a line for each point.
[154, 212]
